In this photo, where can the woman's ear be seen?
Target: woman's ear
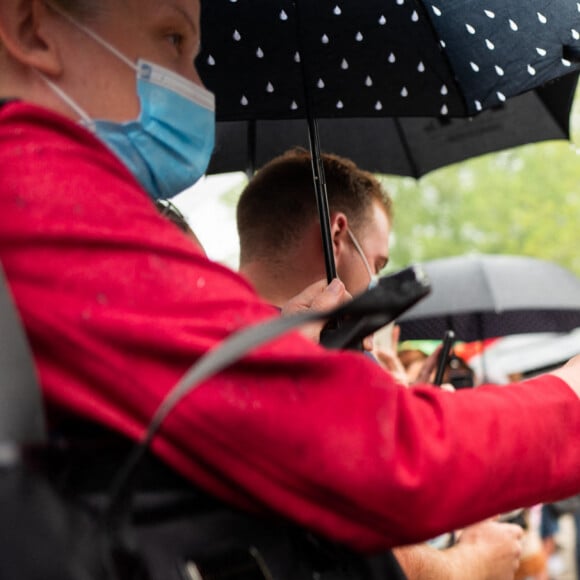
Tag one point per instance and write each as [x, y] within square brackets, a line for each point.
[29, 31]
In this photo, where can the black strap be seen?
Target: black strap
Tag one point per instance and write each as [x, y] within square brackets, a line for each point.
[21, 408]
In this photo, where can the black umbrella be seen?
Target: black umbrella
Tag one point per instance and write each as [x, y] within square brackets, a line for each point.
[410, 146]
[485, 296]
[283, 59]
[360, 58]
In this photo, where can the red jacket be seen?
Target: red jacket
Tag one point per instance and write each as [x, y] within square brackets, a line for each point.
[118, 303]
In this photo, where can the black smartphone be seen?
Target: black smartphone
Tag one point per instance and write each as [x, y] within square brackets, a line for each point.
[443, 358]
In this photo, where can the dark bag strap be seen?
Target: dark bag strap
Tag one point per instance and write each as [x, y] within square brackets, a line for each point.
[21, 407]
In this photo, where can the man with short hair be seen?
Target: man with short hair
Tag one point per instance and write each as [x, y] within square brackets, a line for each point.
[279, 227]
[281, 252]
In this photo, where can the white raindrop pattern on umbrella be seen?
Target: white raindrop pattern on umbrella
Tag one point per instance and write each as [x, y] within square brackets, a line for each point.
[528, 48]
[379, 57]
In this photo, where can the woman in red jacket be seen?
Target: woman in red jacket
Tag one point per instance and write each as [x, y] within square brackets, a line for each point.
[108, 112]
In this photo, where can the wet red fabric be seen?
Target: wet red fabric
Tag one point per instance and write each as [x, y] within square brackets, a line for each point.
[118, 303]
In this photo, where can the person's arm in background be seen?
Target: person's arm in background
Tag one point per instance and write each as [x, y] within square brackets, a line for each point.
[486, 551]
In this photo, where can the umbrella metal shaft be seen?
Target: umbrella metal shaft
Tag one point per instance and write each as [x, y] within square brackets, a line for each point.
[320, 190]
[321, 194]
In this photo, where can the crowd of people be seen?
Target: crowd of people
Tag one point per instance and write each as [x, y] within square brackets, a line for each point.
[102, 113]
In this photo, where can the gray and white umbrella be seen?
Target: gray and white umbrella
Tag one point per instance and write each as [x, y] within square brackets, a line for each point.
[486, 296]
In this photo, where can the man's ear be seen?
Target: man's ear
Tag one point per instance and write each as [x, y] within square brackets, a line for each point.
[338, 232]
[28, 32]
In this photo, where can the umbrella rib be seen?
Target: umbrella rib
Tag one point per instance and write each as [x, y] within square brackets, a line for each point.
[406, 148]
[488, 283]
[251, 164]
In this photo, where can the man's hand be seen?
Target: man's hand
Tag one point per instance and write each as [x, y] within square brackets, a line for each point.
[317, 297]
[389, 359]
[491, 550]
[485, 551]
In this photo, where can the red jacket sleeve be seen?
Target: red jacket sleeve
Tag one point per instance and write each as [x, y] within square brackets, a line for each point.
[118, 303]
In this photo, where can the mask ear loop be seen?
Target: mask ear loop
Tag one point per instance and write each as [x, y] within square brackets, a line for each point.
[94, 36]
[373, 278]
[86, 119]
[59, 92]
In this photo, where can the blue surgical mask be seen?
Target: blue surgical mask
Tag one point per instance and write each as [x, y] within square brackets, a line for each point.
[374, 278]
[168, 148]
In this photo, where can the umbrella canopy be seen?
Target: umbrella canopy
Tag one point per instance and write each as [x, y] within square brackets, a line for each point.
[484, 296]
[288, 59]
[359, 58]
[411, 146]
[525, 354]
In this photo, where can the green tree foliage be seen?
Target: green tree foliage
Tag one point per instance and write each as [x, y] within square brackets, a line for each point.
[522, 201]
